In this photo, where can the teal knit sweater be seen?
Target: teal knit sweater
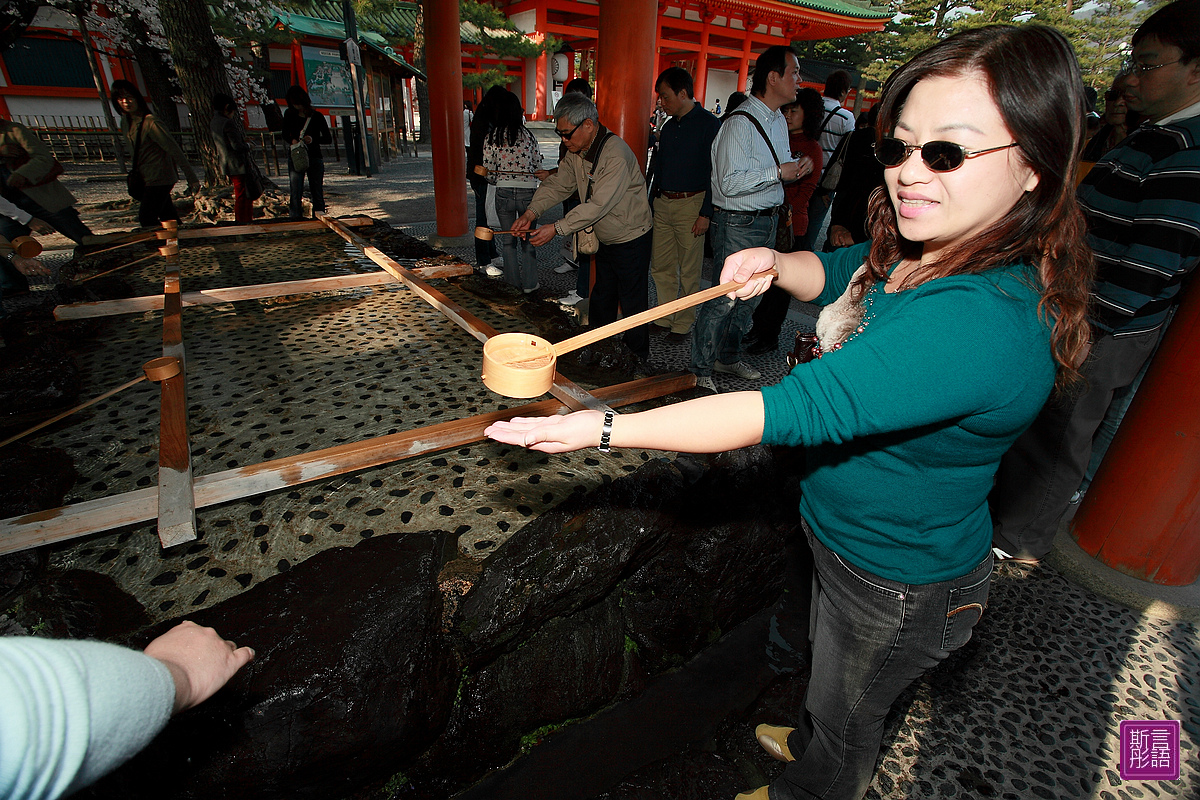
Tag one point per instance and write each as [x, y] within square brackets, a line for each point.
[905, 425]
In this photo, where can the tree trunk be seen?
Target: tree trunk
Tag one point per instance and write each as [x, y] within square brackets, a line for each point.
[422, 86]
[200, 65]
[154, 70]
[92, 55]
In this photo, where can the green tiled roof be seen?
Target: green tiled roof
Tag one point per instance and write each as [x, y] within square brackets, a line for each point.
[330, 29]
[859, 9]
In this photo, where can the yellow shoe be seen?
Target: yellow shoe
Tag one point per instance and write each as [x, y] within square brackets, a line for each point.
[774, 740]
[758, 794]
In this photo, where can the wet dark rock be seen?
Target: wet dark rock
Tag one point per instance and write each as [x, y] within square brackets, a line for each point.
[33, 478]
[565, 560]
[569, 668]
[71, 604]
[352, 677]
[36, 375]
[398, 244]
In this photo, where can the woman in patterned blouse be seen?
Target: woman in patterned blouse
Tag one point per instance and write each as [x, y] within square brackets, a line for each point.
[512, 157]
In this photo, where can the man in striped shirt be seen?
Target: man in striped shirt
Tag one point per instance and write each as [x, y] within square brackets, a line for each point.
[1142, 203]
[748, 174]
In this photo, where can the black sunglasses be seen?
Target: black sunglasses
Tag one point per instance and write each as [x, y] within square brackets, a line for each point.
[938, 156]
[572, 132]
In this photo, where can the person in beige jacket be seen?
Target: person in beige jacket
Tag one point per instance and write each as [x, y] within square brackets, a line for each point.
[615, 207]
[29, 180]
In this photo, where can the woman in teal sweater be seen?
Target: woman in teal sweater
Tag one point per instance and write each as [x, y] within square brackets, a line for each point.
[940, 341]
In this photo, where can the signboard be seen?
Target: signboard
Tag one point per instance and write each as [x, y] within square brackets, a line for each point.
[328, 78]
[353, 55]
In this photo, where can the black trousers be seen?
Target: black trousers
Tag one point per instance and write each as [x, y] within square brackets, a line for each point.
[156, 207]
[622, 280]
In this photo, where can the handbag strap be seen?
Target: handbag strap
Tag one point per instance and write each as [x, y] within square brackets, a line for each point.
[137, 145]
[302, 130]
[599, 150]
[759, 126]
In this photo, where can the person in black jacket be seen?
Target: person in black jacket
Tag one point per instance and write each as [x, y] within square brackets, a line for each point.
[862, 174]
[485, 249]
[299, 113]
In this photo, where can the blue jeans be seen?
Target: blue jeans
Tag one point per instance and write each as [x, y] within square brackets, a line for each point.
[871, 639]
[721, 323]
[316, 186]
[520, 258]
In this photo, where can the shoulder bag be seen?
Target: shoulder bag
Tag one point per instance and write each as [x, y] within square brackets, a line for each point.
[784, 241]
[586, 241]
[134, 181]
[299, 151]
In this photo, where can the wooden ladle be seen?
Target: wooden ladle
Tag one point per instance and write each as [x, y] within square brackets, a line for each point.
[487, 234]
[483, 172]
[522, 365]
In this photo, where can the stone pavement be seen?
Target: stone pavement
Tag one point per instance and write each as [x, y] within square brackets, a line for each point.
[1030, 709]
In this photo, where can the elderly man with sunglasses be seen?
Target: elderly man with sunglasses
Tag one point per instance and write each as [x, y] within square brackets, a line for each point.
[1142, 203]
[605, 172]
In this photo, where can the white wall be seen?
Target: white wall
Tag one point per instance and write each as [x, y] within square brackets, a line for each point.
[721, 84]
[55, 106]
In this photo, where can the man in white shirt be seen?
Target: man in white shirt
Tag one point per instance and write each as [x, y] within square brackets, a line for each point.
[748, 174]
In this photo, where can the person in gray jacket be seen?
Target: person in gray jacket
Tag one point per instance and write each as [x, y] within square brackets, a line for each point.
[234, 159]
[605, 172]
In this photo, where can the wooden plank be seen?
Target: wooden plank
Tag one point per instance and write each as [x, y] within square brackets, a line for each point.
[138, 305]
[456, 313]
[275, 227]
[107, 513]
[176, 494]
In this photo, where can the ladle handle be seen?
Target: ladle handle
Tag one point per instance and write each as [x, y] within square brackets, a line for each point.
[651, 314]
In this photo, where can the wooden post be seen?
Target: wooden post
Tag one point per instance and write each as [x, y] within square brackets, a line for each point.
[176, 495]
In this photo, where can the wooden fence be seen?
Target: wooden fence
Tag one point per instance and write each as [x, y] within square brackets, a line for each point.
[87, 139]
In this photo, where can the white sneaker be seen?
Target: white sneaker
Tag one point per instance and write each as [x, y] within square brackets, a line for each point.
[531, 291]
[571, 299]
[564, 268]
[493, 271]
[739, 368]
[706, 382]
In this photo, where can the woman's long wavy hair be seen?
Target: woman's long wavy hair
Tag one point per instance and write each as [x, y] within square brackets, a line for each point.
[1036, 84]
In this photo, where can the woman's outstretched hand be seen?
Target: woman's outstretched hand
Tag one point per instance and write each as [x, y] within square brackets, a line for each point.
[744, 265]
[553, 434]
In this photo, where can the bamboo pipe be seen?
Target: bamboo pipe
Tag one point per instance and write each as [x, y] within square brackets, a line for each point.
[123, 266]
[523, 365]
[156, 369]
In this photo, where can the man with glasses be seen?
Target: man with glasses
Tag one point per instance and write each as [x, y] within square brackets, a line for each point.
[748, 173]
[605, 172]
[1142, 203]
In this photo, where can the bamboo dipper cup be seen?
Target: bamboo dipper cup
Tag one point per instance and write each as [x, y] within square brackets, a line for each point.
[24, 246]
[522, 365]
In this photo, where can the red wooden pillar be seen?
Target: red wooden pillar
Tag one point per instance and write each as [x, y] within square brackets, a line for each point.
[625, 61]
[1141, 514]
[744, 66]
[700, 79]
[443, 54]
